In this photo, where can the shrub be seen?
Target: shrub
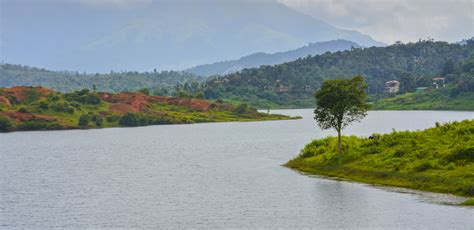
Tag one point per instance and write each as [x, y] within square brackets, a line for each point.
[53, 97]
[62, 107]
[34, 125]
[84, 120]
[112, 118]
[199, 95]
[99, 121]
[32, 95]
[84, 97]
[144, 91]
[6, 124]
[423, 166]
[466, 153]
[22, 110]
[43, 105]
[130, 119]
[242, 108]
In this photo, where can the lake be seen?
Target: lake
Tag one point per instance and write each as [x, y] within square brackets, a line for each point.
[210, 175]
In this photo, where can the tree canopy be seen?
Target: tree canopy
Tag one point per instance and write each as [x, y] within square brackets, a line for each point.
[340, 102]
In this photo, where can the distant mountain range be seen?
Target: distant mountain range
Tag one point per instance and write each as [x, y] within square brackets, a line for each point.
[259, 59]
[166, 35]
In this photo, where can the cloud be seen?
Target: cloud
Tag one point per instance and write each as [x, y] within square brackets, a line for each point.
[393, 20]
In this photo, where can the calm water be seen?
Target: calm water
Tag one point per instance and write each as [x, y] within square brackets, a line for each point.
[203, 176]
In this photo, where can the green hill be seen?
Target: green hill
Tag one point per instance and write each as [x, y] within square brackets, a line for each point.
[292, 84]
[439, 159]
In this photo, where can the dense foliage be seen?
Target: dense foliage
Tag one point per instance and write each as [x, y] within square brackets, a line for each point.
[457, 95]
[64, 81]
[438, 159]
[293, 83]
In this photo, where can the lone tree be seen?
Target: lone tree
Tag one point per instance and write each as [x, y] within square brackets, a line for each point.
[340, 102]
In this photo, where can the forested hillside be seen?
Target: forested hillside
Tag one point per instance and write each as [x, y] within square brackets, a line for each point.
[259, 59]
[292, 84]
[457, 95]
[18, 75]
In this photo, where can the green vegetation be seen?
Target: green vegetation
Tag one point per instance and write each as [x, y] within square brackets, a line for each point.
[458, 95]
[340, 102]
[292, 84]
[439, 159]
[68, 81]
[428, 100]
[49, 110]
[469, 202]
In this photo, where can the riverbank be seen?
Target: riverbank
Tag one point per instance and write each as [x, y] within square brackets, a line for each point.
[439, 159]
[440, 99]
[38, 108]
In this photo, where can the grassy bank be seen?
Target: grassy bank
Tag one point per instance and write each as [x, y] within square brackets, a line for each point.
[440, 99]
[439, 159]
[37, 108]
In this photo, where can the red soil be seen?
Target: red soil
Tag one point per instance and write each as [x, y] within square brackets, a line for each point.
[20, 92]
[138, 102]
[5, 101]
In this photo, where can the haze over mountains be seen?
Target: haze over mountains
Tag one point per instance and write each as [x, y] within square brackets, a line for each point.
[163, 35]
[259, 59]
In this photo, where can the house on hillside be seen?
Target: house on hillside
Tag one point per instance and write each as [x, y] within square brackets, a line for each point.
[438, 82]
[392, 86]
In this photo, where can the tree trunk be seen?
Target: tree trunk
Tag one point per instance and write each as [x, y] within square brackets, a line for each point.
[339, 141]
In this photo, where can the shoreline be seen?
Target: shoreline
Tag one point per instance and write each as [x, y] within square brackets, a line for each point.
[464, 201]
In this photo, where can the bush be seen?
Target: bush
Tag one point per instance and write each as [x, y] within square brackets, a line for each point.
[423, 167]
[242, 108]
[43, 105]
[84, 120]
[34, 125]
[466, 153]
[22, 110]
[199, 95]
[62, 107]
[130, 119]
[6, 125]
[84, 97]
[144, 91]
[32, 95]
[112, 118]
[137, 119]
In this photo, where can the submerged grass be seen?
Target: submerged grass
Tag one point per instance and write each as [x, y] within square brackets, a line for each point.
[439, 159]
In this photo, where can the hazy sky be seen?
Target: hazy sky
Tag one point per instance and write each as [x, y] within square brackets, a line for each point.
[392, 20]
[385, 20]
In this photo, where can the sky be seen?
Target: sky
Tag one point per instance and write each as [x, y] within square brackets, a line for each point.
[395, 20]
[385, 20]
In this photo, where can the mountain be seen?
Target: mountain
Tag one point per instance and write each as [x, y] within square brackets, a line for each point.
[94, 37]
[292, 84]
[259, 59]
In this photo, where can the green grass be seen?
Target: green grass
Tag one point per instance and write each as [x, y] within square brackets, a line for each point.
[439, 159]
[439, 99]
